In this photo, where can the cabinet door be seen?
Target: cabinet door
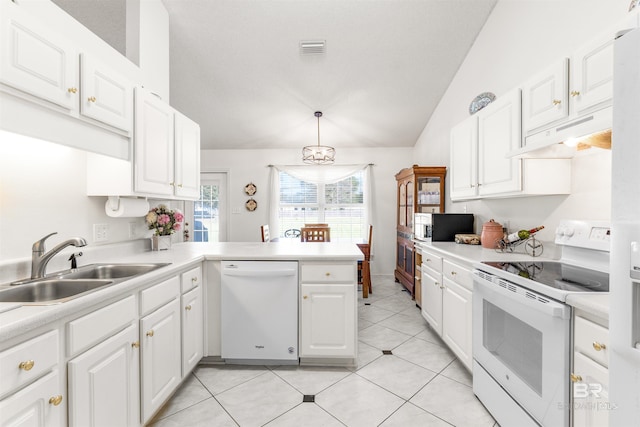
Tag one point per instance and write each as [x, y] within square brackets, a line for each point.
[410, 190]
[105, 95]
[592, 74]
[432, 301]
[187, 152]
[464, 159]
[545, 97]
[154, 145]
[499, 131]
[104, 383]
[192, 329]
[456, 320]
[160, 357]
[327, 320]
[36, 60]
[402, 204]
[591, 403]
[41, 404]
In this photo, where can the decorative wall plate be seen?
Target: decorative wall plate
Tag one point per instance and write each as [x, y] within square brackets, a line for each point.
[250, 189]
[251, 205]
[481, 101]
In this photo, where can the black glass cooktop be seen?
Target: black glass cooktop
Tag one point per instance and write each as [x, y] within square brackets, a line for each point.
[557, 275]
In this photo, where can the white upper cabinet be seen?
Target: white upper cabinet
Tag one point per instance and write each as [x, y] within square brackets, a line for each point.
[36, 60]
[463, 178]
[187, 157]
[105, 96]
[499, 131]
[545, 97]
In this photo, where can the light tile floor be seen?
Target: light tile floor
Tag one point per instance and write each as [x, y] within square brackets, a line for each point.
[420, 384]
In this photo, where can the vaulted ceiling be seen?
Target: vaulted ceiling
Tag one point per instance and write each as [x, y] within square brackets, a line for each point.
[236, 68]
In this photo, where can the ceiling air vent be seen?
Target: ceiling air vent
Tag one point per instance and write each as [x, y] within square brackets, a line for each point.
[316, 47]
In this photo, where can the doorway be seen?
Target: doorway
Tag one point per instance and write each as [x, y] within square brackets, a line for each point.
[208, 215]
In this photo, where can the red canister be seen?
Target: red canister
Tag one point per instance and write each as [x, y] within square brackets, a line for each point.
[491, 234]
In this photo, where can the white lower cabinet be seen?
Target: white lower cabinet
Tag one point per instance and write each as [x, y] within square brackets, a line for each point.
[104, 383]
[192, 312]
[160, 356]
[328, 313]
[447, 289]
[40, 404]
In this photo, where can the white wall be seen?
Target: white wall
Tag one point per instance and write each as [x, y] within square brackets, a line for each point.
[520, 38]
[245, 166]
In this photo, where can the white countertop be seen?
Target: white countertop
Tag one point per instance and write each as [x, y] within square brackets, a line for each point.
[16, 319]
[594, 303]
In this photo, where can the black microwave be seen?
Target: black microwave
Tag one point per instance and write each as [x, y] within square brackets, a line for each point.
[441, 227]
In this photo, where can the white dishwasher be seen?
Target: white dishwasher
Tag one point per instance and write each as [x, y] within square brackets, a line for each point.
[259, 311]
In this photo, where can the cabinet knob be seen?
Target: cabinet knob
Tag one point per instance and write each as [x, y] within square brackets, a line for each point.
[305, 297]
[194, 279]
[557, 102]
[173, 184]
[575, 93]
[26, 366]
[575, 378]
[428, 259]
[135, 344]
[441, 287]
[436, 283]
[327, 274]
[598, 346]
[453, 273]
[91, 99]
[188, 307]
[56, 400]
[150, 333]
[72, 90]
[179, 185]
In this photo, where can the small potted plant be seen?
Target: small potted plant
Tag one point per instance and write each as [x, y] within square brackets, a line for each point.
[164, 222]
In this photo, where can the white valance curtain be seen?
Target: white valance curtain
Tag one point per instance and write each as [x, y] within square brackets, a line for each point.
[318, 175]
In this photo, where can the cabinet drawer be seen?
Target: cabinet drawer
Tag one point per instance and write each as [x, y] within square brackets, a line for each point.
[190, 279]
[432, 261]
[158, 295]
[588, 337]
[436, 275]
[457, 273]
[93, 328]
[27, 361]
[323, 273]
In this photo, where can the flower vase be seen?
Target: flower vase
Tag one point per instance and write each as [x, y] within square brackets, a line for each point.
[160, 243]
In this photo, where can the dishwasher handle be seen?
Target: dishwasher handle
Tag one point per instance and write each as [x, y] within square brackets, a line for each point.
[259, 273]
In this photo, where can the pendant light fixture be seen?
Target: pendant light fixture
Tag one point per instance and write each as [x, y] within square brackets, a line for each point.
[318, 154]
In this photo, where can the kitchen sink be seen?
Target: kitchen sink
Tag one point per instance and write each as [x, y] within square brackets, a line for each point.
[50, 291]
[65, 285]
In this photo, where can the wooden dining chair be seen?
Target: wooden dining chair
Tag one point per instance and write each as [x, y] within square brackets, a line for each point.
[315, 234]
[364, 271]
[264, 230]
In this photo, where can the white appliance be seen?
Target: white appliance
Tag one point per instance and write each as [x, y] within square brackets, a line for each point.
[522, 326]
[624, 316]
[259, 313]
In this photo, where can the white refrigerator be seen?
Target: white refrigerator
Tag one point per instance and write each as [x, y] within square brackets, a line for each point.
[624, 317]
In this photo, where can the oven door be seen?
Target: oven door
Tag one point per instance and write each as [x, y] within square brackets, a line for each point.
[522, 340]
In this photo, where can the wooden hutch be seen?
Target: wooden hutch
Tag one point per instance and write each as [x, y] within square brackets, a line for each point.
[420, 189]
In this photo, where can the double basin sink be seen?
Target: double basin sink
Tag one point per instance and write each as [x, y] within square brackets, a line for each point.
[70, 284]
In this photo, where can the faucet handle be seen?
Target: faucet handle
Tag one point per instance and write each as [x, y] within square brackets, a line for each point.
[39, 245]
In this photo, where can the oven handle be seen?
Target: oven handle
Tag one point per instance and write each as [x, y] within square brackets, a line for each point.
[549, 307]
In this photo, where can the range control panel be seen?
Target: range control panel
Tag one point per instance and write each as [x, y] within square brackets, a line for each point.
[584, 234]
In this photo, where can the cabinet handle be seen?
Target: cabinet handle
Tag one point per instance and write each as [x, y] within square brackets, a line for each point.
[150, 333]
[557, 102]
[575, 378]
[453, 273]
[72, 90]
[135, 344]
[91, 99]
[194, 279]
[188, 307]
[575, 93]
[26, 366]
[598, 346]
[56, 400]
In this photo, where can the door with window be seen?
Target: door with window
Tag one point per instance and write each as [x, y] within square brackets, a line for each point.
[207, 216]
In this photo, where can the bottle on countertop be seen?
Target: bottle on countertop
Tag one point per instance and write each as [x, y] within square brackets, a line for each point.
[521, 235]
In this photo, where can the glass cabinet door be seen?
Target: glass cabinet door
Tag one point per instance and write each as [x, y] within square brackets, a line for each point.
[429, 194]
[409, 192]
[402, 205]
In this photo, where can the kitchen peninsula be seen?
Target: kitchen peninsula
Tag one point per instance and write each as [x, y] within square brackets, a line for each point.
[142, 336]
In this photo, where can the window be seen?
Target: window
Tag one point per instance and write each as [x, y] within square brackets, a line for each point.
[340, 204]
[207, 214]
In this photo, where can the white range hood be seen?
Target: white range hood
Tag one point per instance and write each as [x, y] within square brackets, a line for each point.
[559, 142]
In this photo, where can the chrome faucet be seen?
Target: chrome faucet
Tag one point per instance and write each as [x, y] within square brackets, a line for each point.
[40, 258]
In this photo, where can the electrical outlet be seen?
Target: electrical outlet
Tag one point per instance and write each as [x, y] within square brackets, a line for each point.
[100, 232]
[132, 230]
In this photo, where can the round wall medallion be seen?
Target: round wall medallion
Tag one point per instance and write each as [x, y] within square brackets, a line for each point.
[250, 189]
[251, 205]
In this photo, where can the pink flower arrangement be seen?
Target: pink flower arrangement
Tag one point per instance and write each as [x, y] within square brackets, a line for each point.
[163, 220]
